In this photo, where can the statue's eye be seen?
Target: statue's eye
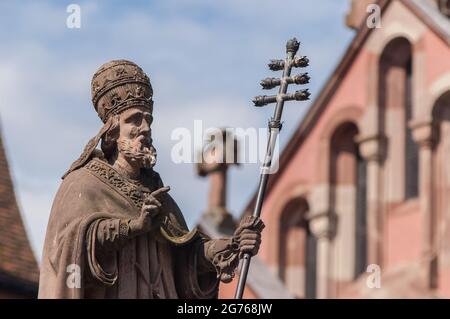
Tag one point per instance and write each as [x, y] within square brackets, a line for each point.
[135, 118]
[149, 119]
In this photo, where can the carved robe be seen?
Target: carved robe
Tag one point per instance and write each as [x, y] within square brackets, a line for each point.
[166, 263]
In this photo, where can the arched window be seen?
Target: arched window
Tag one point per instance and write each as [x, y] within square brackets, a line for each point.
[411, 148]
[361, 216]
[348, 202]
[297, 250]
[395, 97]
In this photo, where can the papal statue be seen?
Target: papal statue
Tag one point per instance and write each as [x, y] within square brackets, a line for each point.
[114, 231]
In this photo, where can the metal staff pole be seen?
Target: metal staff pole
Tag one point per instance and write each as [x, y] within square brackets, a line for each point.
[275, 125]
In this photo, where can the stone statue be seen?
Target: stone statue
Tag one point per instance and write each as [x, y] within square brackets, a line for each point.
[114, 231]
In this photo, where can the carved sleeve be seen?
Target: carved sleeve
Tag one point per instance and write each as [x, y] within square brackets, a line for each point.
[221, 255]
[104, 236]
[112, 233]
[224, 254]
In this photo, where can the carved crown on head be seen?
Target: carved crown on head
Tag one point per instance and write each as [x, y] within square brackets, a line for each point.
[119, 85]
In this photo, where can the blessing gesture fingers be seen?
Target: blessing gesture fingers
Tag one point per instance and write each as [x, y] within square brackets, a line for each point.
[151, 208]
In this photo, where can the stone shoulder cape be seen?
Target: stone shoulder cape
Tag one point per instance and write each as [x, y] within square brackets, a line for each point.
[159, 265]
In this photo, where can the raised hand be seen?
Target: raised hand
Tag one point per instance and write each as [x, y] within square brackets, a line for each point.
[145, 222]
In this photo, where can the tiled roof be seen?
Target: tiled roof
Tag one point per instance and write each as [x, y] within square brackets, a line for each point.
[17, 261]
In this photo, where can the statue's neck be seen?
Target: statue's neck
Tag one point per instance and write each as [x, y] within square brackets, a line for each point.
[124, 167]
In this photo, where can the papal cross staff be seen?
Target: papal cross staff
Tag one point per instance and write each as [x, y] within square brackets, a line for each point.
[275, 125]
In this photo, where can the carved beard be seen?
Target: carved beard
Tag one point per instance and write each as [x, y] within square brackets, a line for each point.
[136, 151]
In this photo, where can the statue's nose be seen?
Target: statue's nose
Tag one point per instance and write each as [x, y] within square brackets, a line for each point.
[145, 128]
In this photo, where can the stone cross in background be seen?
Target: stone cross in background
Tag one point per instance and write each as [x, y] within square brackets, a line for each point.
[216, 157]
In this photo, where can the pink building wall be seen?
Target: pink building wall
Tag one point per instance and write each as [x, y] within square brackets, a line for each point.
[307, 171]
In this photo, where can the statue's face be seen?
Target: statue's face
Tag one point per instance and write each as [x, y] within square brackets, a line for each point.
[135, 141]
[136, 122]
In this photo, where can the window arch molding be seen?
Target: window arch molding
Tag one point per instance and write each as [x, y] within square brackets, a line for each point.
[438, 89]
[284, 196]
[379, 40]
[349, 114]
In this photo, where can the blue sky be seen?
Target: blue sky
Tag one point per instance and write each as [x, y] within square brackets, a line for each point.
[205, 60]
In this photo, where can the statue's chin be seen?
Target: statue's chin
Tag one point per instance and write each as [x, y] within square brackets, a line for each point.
[145, 157]
[149, 157]
[142, 160]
